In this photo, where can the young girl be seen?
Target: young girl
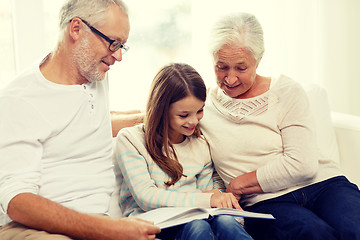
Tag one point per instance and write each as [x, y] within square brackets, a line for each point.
[166, 162]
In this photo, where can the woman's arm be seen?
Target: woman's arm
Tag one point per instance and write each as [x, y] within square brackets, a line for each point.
[298, 162]
[244, 184]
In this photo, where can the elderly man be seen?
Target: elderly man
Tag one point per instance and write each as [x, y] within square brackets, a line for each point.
[56, 174]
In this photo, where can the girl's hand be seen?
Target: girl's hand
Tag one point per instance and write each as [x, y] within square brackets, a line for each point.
[223, 200]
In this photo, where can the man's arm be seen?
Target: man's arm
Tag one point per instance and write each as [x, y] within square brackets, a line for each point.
[40, 213]
[121, 120]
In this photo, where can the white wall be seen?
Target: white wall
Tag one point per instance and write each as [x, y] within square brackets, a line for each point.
[340, 63]
[29, 32]
[7, 62]
[309, 40]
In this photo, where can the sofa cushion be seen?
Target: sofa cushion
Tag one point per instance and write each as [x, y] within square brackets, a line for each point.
[326, 139]
[347, 129]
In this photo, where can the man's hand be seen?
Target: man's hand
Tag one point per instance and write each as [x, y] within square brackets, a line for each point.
[137, 229]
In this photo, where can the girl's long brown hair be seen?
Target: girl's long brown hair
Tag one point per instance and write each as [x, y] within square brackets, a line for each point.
[171, 84]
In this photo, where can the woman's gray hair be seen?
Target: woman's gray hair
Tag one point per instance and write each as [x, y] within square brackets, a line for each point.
[93, 11]
[238, 30]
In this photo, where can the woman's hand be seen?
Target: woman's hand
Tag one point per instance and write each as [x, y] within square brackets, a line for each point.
[223, 200]
[234, 188]
[244, 184]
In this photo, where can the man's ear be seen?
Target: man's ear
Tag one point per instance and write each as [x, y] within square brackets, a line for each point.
[75, 28]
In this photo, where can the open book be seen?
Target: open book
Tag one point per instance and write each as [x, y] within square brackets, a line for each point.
[171, 216]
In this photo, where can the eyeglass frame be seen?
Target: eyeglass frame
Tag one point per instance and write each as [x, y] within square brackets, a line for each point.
[118, 44]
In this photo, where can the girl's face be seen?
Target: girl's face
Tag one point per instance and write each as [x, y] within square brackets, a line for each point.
[184, 116]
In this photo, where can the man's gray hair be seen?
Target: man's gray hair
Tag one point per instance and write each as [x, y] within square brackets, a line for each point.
[238, 29]
[93, 11]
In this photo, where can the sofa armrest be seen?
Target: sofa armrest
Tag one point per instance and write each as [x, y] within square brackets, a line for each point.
[347, 130]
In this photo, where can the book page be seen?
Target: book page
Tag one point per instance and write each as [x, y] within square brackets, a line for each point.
[174, 221]
[238, 213]
[173, 215]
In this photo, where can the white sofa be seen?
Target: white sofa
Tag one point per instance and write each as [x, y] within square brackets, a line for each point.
[347, 131]
[338, 133]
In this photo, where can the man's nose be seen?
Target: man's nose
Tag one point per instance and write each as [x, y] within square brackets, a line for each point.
[117, 55]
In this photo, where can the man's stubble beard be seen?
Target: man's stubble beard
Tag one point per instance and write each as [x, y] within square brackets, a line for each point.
[86, 63]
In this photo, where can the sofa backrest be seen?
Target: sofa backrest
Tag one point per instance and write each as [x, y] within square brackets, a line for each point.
[347, 129]
[326, 138]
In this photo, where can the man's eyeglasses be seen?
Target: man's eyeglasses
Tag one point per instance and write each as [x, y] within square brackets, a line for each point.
[114, 45]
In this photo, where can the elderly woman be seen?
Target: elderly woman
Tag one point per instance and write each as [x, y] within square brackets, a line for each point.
[263, 145]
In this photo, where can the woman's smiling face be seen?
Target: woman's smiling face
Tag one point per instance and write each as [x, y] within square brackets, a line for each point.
[235, 70]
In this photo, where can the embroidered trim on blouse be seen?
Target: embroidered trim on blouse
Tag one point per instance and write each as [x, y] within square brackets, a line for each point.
[237, 109]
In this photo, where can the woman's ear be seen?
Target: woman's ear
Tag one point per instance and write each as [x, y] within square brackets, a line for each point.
[257, 63]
